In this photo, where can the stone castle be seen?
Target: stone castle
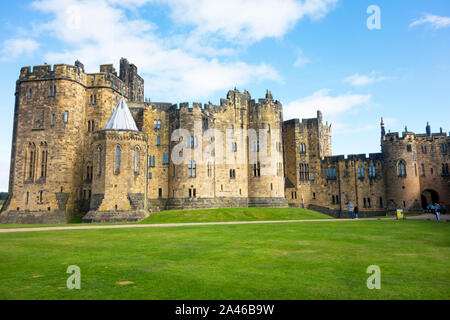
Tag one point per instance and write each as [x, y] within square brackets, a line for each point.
[92, 145]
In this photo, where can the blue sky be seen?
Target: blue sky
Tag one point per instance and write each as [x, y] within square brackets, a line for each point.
[312, 54]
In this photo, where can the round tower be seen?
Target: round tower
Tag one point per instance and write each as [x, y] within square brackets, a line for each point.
[119, 170]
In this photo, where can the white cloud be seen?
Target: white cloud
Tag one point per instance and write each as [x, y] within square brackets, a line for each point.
[327, 104]
[301, 60]
[15, 48]
[358, 80]
[189, 63]
[246, 20]
[97, 33]
[435, 21]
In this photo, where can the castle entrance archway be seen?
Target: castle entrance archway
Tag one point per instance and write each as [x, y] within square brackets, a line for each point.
[429, 196]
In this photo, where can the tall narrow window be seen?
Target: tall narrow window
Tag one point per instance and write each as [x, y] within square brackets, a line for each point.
[401, 169]
[372, 171]
[117, 166]
[30, 94]
[136, 161]
[158, 140]
[190, 169]
[66, 116]
[32, 162]
[44, 164]
[360, 172]
[100, 160]
[194, 169]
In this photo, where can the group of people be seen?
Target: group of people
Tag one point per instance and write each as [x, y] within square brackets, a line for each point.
[437, 209]
[353, 212]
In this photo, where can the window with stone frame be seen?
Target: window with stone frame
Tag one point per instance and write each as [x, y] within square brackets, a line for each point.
[401, 169]
[117, 160]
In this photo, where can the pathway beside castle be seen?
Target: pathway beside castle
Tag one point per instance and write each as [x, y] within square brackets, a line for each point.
[168, 225]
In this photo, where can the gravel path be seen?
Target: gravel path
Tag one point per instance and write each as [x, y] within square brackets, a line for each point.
[168, 225]
[123, 226]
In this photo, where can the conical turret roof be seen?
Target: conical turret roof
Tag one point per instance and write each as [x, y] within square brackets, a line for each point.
[121, 118]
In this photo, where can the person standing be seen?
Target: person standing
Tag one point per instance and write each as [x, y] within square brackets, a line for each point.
[356, 211]
[350, 211]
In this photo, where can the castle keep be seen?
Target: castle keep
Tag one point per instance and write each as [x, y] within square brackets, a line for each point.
[91, 144]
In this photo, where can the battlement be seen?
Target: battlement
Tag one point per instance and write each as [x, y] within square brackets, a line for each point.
[48, 72]
[129, 82]
[353, 157]
[393, 137]
[308, 123]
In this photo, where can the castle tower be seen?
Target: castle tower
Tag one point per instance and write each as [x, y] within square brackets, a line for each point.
[119, 170]
[401, 174]
[266, 171]
[46, 159]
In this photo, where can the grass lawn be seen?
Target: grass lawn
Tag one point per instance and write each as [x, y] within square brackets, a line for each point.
[210, 215]
[234, 214]
[311, 260]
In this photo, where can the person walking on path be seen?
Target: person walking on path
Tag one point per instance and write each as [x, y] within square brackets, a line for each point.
[438, 212]
[350, 211]
[356, 211]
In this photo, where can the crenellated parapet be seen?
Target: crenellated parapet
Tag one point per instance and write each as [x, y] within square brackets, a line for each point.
[128, 83]
[372, 157]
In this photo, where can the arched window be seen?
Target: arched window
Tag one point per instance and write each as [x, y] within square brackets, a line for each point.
[117, 166]
[401, 169]
[136, 160]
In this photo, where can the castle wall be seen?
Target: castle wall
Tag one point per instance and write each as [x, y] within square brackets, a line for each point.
[63, 162]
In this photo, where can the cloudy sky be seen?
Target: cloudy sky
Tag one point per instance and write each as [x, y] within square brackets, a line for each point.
[312, 54]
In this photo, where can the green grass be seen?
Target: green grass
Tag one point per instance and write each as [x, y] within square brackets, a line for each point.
[1, 203]
[234, 214]
[207, 215]
[311, 260]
